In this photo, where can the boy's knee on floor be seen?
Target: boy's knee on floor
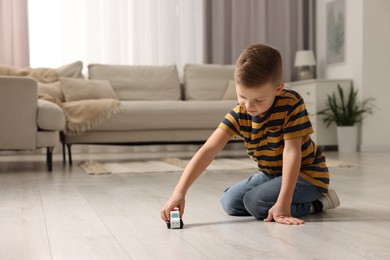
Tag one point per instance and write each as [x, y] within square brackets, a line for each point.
[230, 210]
[257, 208]
[228, 205]
[233, 206]
[225, 205]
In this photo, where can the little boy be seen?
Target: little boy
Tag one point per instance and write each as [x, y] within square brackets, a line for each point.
[293, 179]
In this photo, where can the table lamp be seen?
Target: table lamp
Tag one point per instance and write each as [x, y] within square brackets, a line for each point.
[304, 60]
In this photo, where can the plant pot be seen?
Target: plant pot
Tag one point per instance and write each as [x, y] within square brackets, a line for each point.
[347, 138]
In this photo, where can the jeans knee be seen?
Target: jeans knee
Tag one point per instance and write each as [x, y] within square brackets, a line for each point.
[228, 208]
[257, 208]
[233, 206]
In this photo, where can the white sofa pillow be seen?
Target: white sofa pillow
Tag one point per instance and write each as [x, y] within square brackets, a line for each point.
[206, 81]
[71, 70]
[139, 82]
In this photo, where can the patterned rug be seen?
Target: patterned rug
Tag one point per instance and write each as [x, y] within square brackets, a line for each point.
[176, 165]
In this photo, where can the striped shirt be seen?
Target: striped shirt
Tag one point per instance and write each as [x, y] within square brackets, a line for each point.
[264, 137]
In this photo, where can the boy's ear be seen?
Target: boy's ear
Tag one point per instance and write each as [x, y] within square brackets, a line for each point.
[279, 88]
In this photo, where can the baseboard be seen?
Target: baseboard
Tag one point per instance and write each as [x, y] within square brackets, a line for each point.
[328, 148]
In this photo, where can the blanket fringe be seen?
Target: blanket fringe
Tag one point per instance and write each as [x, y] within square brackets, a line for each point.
[75, 129]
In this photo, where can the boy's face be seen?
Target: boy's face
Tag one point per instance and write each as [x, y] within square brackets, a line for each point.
[257, 100]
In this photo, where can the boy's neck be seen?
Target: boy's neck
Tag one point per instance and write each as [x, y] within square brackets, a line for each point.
[262, 114]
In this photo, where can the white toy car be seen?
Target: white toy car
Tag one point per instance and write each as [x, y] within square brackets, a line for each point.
[175, 221]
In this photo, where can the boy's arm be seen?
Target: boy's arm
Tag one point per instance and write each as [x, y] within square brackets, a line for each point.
[292, 156]
[194, 169]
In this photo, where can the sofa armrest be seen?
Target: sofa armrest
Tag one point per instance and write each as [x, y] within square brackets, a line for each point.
[18, 113]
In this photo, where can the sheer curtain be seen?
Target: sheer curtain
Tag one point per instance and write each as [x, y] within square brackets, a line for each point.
[232, 25]
[14, 33]
[158, 32]
[148, 32]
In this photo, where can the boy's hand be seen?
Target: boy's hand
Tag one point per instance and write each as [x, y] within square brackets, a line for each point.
[177, 200]
[281, 214]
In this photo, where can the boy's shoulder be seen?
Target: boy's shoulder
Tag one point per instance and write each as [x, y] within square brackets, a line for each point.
[287, 101]
[289, 93]
[288, 97]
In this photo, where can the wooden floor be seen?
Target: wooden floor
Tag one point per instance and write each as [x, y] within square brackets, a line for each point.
[68, 214]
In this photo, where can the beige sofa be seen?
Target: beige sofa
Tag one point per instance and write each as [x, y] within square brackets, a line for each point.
[27, 124]
[157, 108]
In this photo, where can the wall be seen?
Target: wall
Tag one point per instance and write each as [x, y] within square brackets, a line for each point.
[376, 70]
[367, 56]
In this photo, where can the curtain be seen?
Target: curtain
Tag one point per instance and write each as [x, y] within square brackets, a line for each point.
[158, 32]
[147, 32]
[14, 33]
[232, 25]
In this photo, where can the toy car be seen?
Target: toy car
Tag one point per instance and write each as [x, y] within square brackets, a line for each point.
[174, 221]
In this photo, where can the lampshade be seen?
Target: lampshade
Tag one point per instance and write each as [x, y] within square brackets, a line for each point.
[304, 58]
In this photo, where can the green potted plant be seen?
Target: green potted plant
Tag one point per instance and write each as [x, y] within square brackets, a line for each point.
[346, 112]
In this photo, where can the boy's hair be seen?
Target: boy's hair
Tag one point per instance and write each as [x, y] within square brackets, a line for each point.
[257, 65]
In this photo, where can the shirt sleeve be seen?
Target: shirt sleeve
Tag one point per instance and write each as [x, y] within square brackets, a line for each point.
[297, 122]
[230, 123]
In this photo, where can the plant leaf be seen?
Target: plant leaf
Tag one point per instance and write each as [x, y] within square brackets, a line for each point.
[345, 112]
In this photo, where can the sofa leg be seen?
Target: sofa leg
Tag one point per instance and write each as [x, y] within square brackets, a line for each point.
[62, 139]
[69, 146]
[63, 154]
[49, 158]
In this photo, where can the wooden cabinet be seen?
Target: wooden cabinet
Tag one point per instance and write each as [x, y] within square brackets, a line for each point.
[314, 92]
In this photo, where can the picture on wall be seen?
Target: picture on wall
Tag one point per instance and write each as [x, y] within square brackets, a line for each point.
[335, 32]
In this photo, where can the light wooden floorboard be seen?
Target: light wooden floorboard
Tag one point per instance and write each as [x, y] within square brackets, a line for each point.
[68, 214]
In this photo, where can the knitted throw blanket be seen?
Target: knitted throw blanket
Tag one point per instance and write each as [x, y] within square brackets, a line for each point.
[44, 75]
[84, 115]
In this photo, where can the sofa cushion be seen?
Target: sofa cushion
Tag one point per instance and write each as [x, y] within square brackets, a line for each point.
[206, 81]
[140, 82]
[47, 138]
[71, 70]
[163, 115]
[50, 116]
[80, 89]
[230, 92]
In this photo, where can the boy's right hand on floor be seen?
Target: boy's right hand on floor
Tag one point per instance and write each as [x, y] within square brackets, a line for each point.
[175, 201]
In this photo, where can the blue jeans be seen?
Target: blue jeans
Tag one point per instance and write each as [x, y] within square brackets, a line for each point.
[258, 193]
